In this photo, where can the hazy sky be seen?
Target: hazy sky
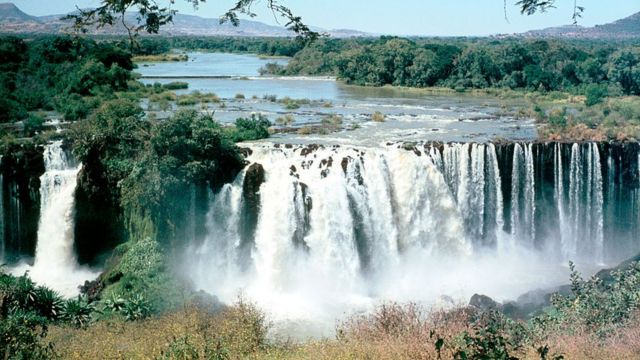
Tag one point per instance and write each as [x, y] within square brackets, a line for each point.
[401, 17]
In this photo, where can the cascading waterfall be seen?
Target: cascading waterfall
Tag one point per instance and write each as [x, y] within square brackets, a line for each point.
[586, 203]
[523, 206]
[345, 224]
[55, 264]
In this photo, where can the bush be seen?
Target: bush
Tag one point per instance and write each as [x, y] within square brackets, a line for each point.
[33, 125]
[558, 118]
[254, 128]
[286, 120]
[176, 85]
[378, 116]
[78, 312]
[595, 94]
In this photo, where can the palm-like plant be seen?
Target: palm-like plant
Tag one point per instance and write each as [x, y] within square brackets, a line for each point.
[78, 312]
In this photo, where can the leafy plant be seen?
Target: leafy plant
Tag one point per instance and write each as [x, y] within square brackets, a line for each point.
[136, 308]
[78, 312]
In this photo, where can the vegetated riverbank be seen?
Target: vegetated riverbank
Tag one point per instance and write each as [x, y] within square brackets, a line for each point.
[160, 58]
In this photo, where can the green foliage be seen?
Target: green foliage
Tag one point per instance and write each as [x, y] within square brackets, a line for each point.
[595, 94]
[78, 312]
[136, 308]
[32, 125]
[253, 128]
[21, 336]
[143, 259]
[558, 118]
[61, 73]
[181, 348]
[595, 305]
[493, 338]
[176, 85]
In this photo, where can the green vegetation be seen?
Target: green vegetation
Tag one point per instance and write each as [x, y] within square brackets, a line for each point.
[271, 47]
[69, 75]
[543, 65]
[161, 58]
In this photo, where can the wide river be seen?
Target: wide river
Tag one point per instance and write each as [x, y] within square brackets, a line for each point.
[410, 115]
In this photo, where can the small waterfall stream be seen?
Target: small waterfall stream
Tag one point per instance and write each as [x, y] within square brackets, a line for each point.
[55, 264]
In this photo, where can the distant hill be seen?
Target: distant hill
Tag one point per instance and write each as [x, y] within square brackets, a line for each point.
[627, 28]
[15, 21]
[9, 13]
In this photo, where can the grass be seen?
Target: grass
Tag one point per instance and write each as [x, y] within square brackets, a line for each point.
[393, 331]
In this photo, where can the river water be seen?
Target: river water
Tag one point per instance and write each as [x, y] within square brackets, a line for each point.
[410, 115]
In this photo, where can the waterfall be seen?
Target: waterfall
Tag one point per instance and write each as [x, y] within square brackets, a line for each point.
[567, 241]
[55, 264]
[586, 204]
[334, 224]
[523, 206]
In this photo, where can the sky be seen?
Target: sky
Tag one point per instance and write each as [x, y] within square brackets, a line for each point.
[396, 17]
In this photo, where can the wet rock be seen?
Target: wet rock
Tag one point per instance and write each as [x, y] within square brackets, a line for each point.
[245, 152]
[326, 162]
[344, 164]
[303, 218]
[92, 289]
[254, 178]
[294, 172]
[309, 149]
[484, 303]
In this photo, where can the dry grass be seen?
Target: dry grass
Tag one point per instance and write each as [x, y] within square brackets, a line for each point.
[236, 332]
[392, 331]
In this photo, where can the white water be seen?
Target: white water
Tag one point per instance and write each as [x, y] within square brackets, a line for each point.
[385, 223]
[55, 264]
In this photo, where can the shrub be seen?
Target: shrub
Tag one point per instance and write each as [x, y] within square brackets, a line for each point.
[378, 116]
[286, 120]
[558, 118]
[136, 308]
[239, 96]
[21, 336]
[176, 85]
[333, 120]
[595, 94]
[78, 312]
[253, 128]
[33, 125]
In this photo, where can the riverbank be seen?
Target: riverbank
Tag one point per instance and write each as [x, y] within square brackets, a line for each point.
[169, 57]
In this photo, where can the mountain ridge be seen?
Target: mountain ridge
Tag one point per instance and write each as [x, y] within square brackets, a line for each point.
[15, 21]
[625, 28]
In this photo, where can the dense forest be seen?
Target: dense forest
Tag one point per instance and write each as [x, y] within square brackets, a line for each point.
[545, 65]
